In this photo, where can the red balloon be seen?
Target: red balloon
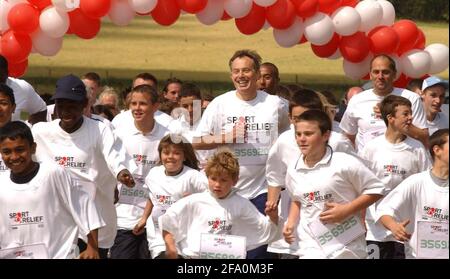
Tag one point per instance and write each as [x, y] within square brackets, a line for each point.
[328, 49]
[306, 8]
[350, 3]
[366, 77]
[23, 18]
[83, 26]
[166, 12]
[329, 6]
[383, 40]
[192, 6]
[253, 22]
[402, 81]
[40, 4]
[95, 8]
[354, 48]
[18, 70]
[225, 16]
[421, 41]
[15, 46]
[303, 40]
[281, 15]
[407, 32]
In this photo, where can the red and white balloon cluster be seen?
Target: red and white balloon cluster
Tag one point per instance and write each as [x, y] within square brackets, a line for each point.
[352, 29]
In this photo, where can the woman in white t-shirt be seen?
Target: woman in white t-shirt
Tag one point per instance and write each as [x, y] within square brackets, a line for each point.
[175, 178]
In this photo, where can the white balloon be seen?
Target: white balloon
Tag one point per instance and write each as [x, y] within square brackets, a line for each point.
[143, 6]
[416, 63]
[4, 10]
[319, 29]
[46, 45]
[121, 13]
[439, 58]
[238, 8]
[291, 36]
[388, 17]
[265, 3]
[371, 14]
[346, 21]
[336, 55]
[212, 13]
[66, 5]
[357, 70]
[54, 23]
[398, 65]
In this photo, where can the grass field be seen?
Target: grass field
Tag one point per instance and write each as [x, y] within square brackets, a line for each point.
[191, 51]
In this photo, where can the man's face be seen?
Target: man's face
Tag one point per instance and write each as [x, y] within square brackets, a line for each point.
[244, 76]
[92, 85]
[16, 153]
[141, 106]
[173, 90]
[402, 119]
[109, 101]
[309, 138]
[382, 76]
[296, 112]
[6, 109]
[433, 98]
[188, 104]
[70, 112]
[268, 81]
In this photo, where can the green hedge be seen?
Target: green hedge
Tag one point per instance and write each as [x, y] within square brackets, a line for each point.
[426, 10]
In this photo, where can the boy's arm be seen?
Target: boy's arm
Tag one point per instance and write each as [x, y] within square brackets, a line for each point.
[336, 213]
[291, 224]
[273, 196]
[91, 251]
[398, 229]
[171, 248]
[140, 226]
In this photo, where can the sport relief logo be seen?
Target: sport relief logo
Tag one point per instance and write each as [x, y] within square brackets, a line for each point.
[140, 159]
[218, 226]
[69, 162]
[315, 197]
[221, 242]
[390, 170]
[25, 218]
[434, 213]
[164, 200]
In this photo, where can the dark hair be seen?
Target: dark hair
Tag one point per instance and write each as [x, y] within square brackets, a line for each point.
[8, 92]
[14, 130]
[392, 65]
[147, 76]
[189, 89]
[3, 63]
[166, 106]
[92, 76]
[275, 71]
[438, 138]
[208, 97]
[305, 98]
[247, 53]
[190, 159]
[389, 105]
[330, 97]
[415, 84]
[284, 92]
[318, 116]
[170, 81]
[102, 109]
[146, 89]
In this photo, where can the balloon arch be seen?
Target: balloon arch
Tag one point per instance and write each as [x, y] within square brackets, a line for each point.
[351, 29]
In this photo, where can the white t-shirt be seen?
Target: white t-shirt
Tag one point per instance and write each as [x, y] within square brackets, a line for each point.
[124, 118]
[263, 116]
[391, 163]
[338, 177]
[201, 213]
[417, 198]
[144, 151]
[440, 121]
[49, 209]
[92, 157]
[359, 119]
[26, 98]
[165, 191]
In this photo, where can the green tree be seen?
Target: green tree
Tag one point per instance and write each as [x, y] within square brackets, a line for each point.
[426, 10]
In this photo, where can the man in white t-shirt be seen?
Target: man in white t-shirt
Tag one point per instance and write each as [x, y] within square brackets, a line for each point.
[248, 121]
[416, 212]
[392, 157]
[362, 121]
[88, 149]
[27, 99]
[433, 95]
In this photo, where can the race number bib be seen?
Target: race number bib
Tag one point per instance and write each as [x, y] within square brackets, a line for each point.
[220, 246]
[137, 195]
[333, 237]
[432, 240]
[33, 251]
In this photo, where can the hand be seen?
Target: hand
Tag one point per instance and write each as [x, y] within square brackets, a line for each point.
[399, 231]
[126, 178]
[89, 254]
[334, 213]
[270, 205]
[377, 110]
[273, 214]
[288, 233]
[140, 227]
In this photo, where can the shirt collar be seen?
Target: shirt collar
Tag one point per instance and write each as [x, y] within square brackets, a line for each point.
[300, 165]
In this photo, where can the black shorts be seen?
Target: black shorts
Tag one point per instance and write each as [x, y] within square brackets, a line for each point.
[130, 246]
[385, 250]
